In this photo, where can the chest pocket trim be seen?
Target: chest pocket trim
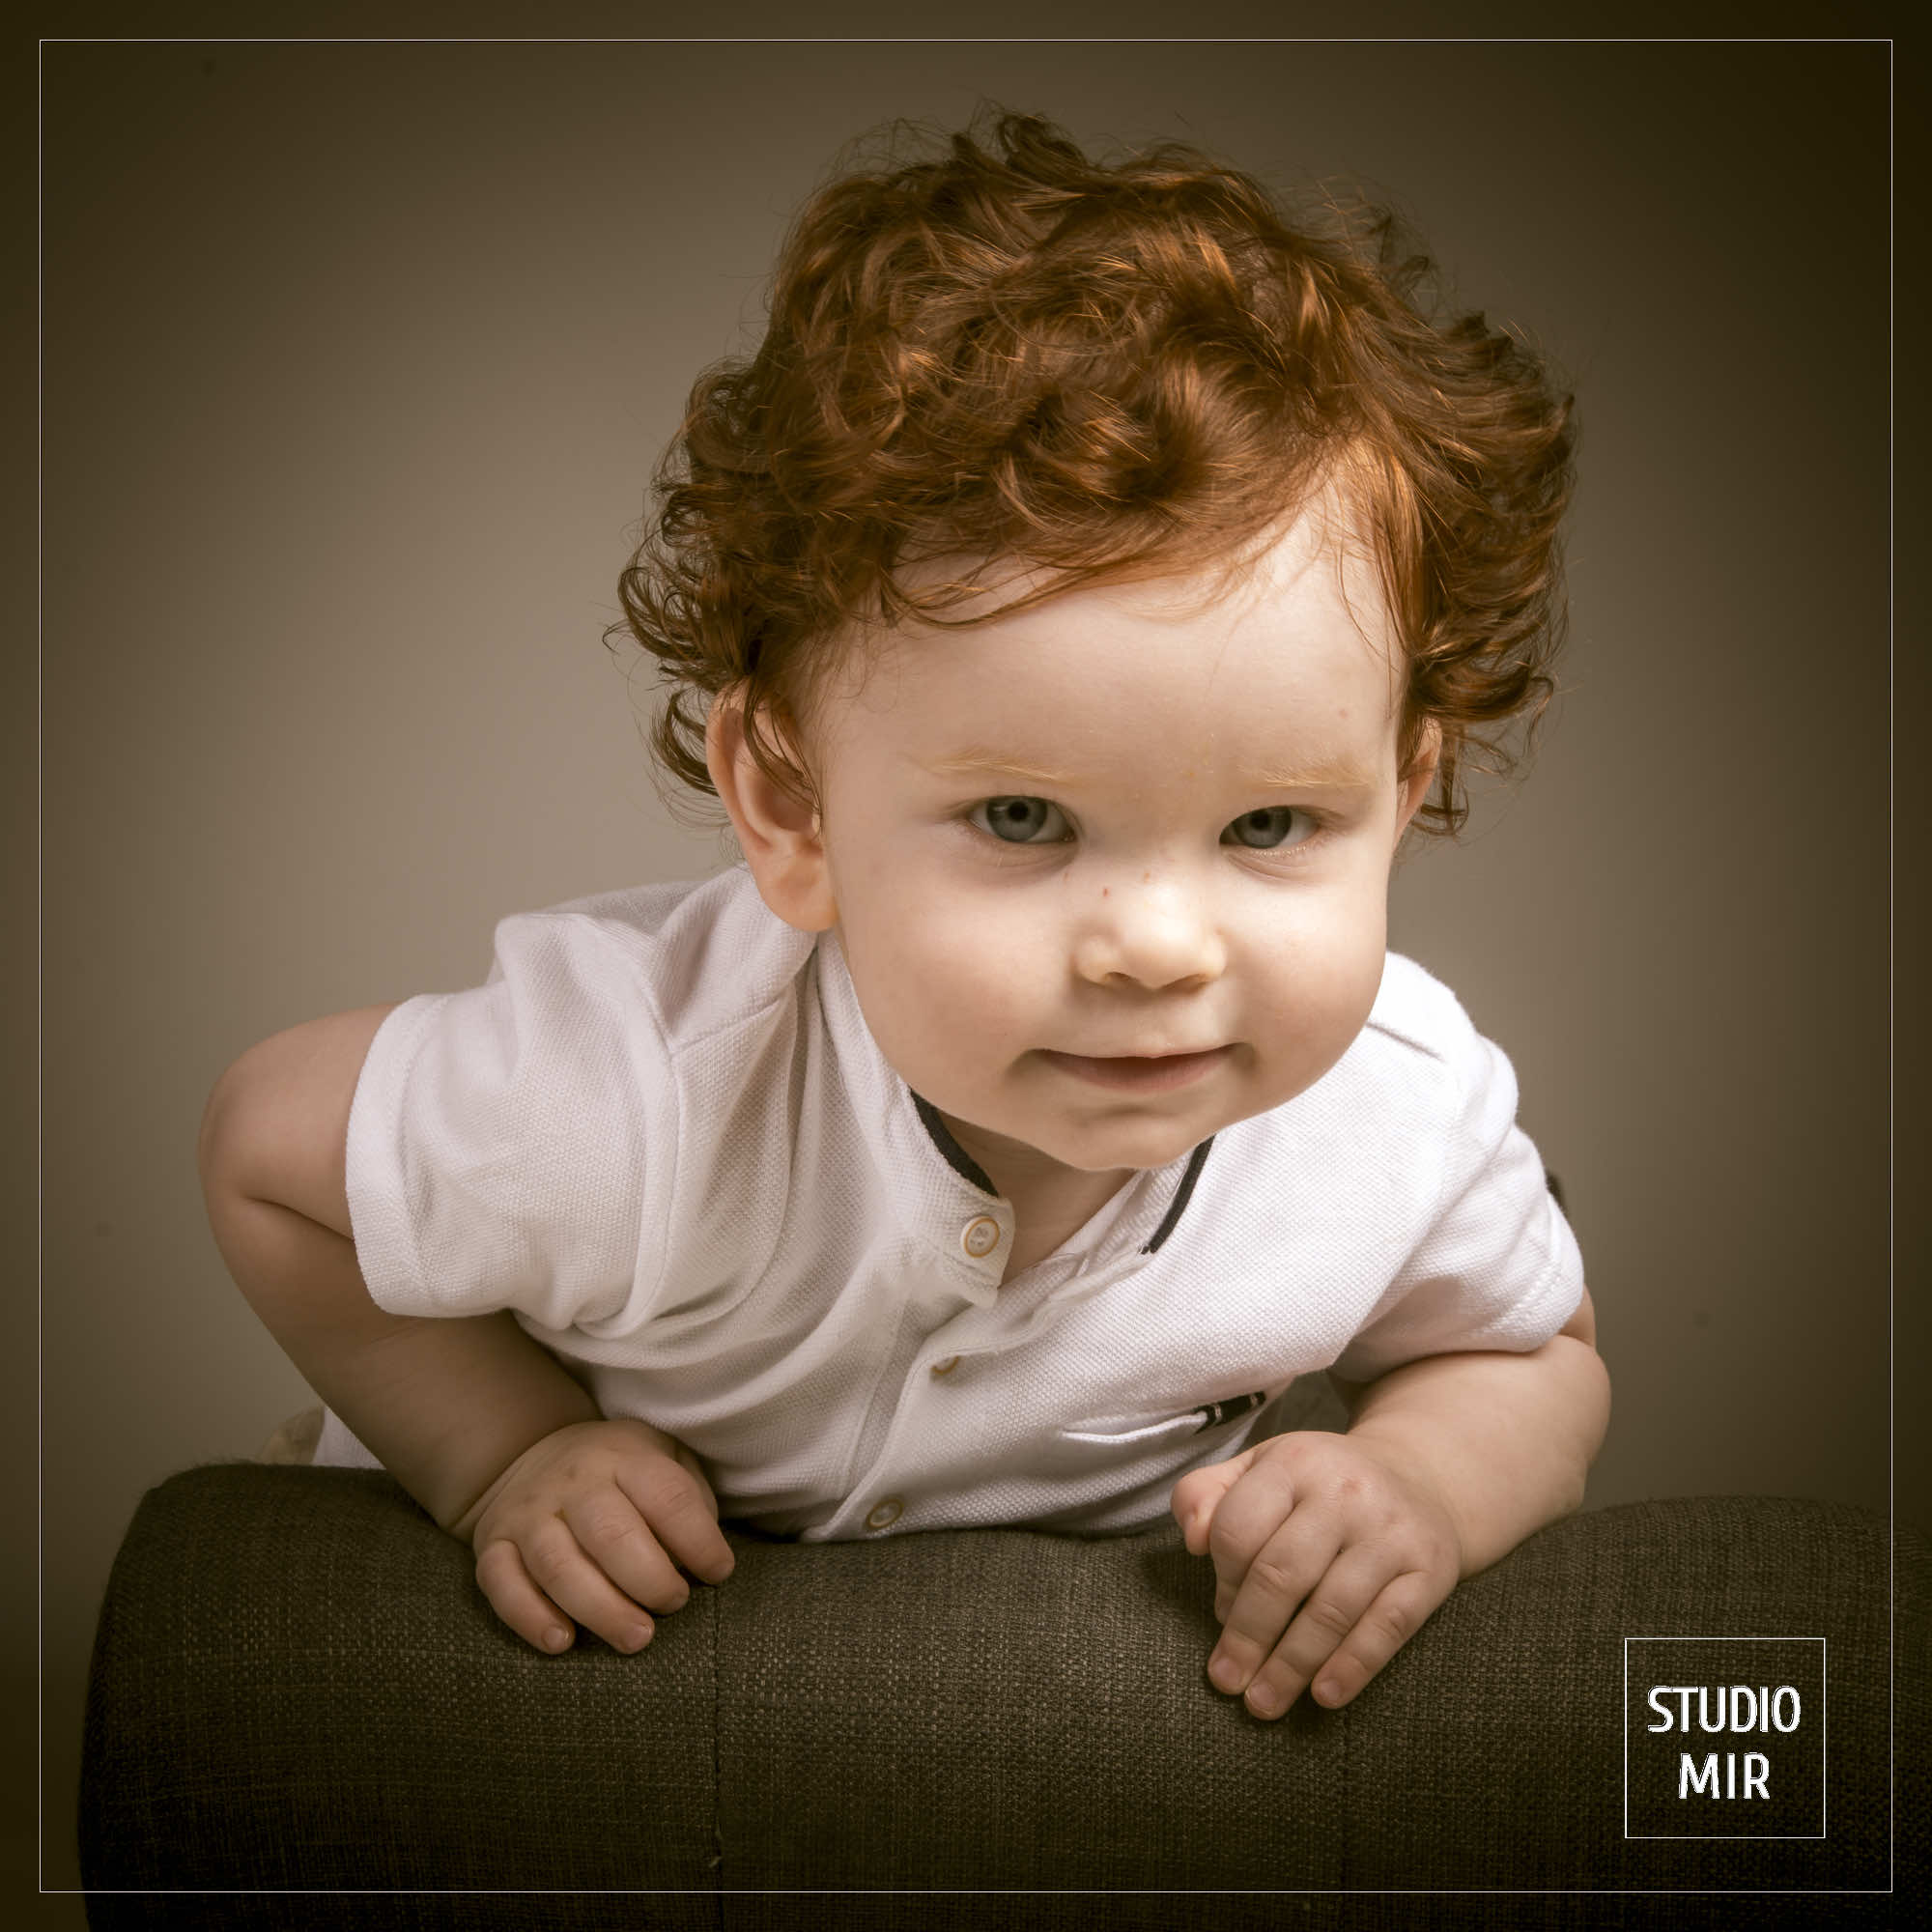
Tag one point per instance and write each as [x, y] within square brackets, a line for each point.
[1149, 1429]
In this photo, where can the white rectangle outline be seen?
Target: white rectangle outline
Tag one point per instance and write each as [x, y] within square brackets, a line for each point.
[1760, 1837]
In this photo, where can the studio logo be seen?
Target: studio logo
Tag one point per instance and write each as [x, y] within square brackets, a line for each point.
[1724, 1737]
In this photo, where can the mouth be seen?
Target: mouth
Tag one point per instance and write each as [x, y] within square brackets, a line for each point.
[1140, 1073]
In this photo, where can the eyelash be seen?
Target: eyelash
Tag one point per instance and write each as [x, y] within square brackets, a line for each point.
[1318, 827]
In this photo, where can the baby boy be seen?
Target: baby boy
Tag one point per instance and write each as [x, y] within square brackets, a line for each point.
[1072, 604]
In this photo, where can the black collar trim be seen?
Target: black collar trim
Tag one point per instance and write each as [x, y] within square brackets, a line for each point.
[957, 1158]
[1196, 1161]
[967, 1168]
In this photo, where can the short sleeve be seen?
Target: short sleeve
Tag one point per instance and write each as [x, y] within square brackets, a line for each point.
[1496, 1266]
[508, 1145]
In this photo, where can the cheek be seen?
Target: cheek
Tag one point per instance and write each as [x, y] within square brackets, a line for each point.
[1324, 975]
[1358, 953]
[949, 979]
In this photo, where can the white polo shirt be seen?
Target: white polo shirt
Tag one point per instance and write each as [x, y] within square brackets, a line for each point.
[663, 1134]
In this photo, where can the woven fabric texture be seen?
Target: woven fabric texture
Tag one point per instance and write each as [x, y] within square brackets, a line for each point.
[296, 1685]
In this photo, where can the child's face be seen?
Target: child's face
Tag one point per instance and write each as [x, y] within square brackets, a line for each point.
[1127, 824]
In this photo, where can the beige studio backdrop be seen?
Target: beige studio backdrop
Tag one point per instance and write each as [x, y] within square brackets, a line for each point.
[357, 361]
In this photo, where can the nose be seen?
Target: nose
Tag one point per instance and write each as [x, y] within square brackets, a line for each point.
[1153, 931]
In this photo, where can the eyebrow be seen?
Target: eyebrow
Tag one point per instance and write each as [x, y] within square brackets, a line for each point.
[1315, 778]
[1318, 780]
[987, 764]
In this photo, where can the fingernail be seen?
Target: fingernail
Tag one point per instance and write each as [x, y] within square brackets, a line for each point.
[555, 1638]
[1264, 1700]
[1226, 1673]
[636, 1637]
[1327, 1692]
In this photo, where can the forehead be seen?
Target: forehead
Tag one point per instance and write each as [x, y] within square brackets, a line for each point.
[1289, 640]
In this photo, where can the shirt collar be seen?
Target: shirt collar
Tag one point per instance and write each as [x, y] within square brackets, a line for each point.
[942, 1189]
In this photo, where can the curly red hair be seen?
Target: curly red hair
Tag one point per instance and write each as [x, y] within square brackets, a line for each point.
[1011, 351]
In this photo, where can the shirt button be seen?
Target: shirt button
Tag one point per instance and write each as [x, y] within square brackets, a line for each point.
[882, 1515]
[945, 1367]
[982, 1235]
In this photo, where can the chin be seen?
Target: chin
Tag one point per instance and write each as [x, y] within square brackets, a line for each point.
[1139, 1145]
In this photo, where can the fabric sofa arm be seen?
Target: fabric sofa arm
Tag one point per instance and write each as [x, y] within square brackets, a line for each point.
[298, 1685]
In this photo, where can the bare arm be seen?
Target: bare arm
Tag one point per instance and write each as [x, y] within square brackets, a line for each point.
[574, 1519]
[446, 1405]
[1506, 1438]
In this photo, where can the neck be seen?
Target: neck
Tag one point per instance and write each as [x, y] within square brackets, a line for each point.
[1050, 1200]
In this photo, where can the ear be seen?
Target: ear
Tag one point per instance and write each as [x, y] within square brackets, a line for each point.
[1420, 776]
[780, 838]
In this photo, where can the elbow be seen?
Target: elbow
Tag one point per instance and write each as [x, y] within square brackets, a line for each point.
[1580, 1334]
[1572, 1499]
[218, 1139]
[208, 1141]
[1593, 1412]
[220, 1156]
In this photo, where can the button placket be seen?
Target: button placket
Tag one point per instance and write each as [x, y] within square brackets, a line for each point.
[880, 1463]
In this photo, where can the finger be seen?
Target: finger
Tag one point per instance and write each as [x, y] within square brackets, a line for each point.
[619, 1543]
[1197, 1496]
[517, 1602]
[1325, 1625]
[560, 1569]
[1254, 1512]
[688, 1460]
[1286, 1567]
[677, 1504]
[1398, 1612]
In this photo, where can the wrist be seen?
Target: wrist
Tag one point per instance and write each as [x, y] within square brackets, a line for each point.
[451, 1404]
[1506, 1440]
[1407, 1456]
[466, 1493]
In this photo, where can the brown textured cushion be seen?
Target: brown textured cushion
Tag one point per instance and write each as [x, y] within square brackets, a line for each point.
[297, 1685]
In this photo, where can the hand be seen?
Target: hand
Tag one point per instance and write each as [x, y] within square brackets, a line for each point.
[591, 1522]
[1328, 1557]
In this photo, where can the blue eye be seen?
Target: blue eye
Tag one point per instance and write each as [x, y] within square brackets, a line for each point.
[1261, 831]
[1016, 821]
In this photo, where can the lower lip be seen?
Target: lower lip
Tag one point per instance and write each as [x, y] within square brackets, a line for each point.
[1141, 1076]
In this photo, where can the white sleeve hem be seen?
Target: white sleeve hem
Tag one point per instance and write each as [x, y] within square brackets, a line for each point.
[379, 1220]
[1534, 1318]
